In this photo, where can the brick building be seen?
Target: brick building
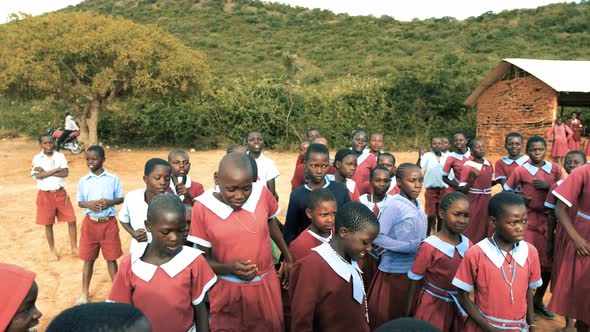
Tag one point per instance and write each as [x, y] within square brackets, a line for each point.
[526, 95]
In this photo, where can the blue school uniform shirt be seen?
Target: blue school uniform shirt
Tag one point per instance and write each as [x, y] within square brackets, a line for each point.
[402, 227]
[297, 221]
[93, 187]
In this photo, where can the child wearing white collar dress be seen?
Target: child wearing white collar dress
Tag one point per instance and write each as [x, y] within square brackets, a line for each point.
[505, 166]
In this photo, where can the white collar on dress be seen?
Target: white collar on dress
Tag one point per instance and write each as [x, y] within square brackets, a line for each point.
[223, 210]
[447, 248]
[327, 178]
[476, 165]
[520, 161]
[533, 169]
[459, 156]
[520, 254]
[363, 156]
[187, 184]
[323, 239]
[145, 271]
[343, 269]
[392, 184]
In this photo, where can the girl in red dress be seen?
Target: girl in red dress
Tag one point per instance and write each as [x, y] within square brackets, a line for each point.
[502, 272]
[345, 163]
[570, 297]
[234, 225]
[559, 132]
[476, 183]
[163, 278]
[437, 262]
[455, 160]
[366, 160]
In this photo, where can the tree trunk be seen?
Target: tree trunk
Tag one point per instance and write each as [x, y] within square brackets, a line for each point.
[92, 121]
[83, 122]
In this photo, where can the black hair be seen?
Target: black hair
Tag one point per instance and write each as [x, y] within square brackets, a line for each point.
[407, 325]
[459, 132]
[254, 168]
[378, 168]
[250, 132]
[535, 139]
[401, 171]
[152, 163]
[377, 133]
[513, 134]
[98, 149]
[312, 140]
[575, 152]
[499, 203]
[97, 317]
[44, 135]
[232, 147]
[357, 131]
[310, 130]
[355, 216]
[305, 141]
[343, 153]
[387, 154]
[177, 151]
[68, 113]
[472, 142]
[316, 148]
[319, 195]
[447, 201]
[165, 203]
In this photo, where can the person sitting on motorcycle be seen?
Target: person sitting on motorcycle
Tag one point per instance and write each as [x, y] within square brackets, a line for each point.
[70, 127]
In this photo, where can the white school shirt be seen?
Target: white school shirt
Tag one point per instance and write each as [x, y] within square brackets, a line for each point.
[71, 124]
[267, 170]
[134, 212]
[57, 160]
[433, 170]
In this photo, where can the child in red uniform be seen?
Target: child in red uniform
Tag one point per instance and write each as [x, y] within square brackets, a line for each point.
[502, 271]
[234, 227]
[476, 183]
[18, 294]
[375, 144]
[300, 176]
[559, 133]
[386, 160]
[327, 292]
[376, 202]
[505, 166]
[181, 184]
[570, 296]
[164, 279]
[50, 169]
[345, 163]
[557, 237]
[535, 178]
[437, 262]
[403, 226]
[322, 211]
[366, 160]
[455, 160]
[98, 193]
[302, 149]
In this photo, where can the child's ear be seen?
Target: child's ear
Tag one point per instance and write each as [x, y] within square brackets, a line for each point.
[145, 179]
[441, 215]
[216, 178]
[148, 226]
[492, 221]
[343, 233]
[308, 213]
[337, 164]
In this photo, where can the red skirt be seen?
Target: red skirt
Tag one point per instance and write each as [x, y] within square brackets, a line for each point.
[369, 265]
[388, 297]
[478, 222]
[559, 148]
[536, 234]
[441, 314]
[570, 297]
[560, 240]
[250, 306]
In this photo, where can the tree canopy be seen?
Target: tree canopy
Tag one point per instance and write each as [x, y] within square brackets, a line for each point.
[88, 60]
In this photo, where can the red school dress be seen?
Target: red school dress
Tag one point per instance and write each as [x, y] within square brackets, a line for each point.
[482, 271]
[353, 189]
[570, 296]
[523, 177]
[436, 263]
[393, 189]
[166, 293]
[454, 164]
[506, 166]
[559, 133]
[365, 163]
[479, 196]
[560, 238]
[327, 294]
[307, 240]
[238, 305]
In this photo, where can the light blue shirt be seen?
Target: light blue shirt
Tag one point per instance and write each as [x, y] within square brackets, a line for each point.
[402, 227]
[93, 187]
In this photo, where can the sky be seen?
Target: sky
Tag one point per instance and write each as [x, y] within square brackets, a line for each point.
[400, 10]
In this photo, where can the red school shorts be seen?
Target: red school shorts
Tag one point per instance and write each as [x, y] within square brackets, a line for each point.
[96, 236]
[52, 204]
[432, 196]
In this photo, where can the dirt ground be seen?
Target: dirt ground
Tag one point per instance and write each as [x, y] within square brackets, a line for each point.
[23, 242]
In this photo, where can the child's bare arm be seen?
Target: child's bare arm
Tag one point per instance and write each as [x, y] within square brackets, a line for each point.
[530, 310]
[40, 173]
[277, 236]
[473, 312]
[201, 317]
[449, 182]
[140, 235]
[271, 186]
[94, 206]
[410, 297]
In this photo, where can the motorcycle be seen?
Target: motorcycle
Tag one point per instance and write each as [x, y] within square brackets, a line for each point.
[70, 143]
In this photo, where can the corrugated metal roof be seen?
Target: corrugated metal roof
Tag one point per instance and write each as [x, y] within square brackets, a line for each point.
[562, 76]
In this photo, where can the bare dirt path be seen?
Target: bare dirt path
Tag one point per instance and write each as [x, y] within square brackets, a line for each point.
[23, 242]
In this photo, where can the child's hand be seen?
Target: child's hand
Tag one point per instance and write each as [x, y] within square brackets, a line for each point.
[244, 269]
[473, 174]
[526, 199]
[540, 184]
[38, 169]
[284, 274]
[94, 206]
[181, 190]
[140, 235]
[582, 247]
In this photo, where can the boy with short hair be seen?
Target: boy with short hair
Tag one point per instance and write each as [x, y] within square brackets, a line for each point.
[50, 168]
[180, 182]
[98, 193]
[432, 164]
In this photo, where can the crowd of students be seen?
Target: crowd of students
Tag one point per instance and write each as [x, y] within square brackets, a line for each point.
[357, 249]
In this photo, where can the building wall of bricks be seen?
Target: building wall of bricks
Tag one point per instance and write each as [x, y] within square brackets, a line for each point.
[522, 104]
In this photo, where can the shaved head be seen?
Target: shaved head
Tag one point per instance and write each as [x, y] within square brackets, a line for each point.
[233, 163]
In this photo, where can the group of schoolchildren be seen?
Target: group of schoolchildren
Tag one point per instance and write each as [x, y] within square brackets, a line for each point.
[357, 249]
